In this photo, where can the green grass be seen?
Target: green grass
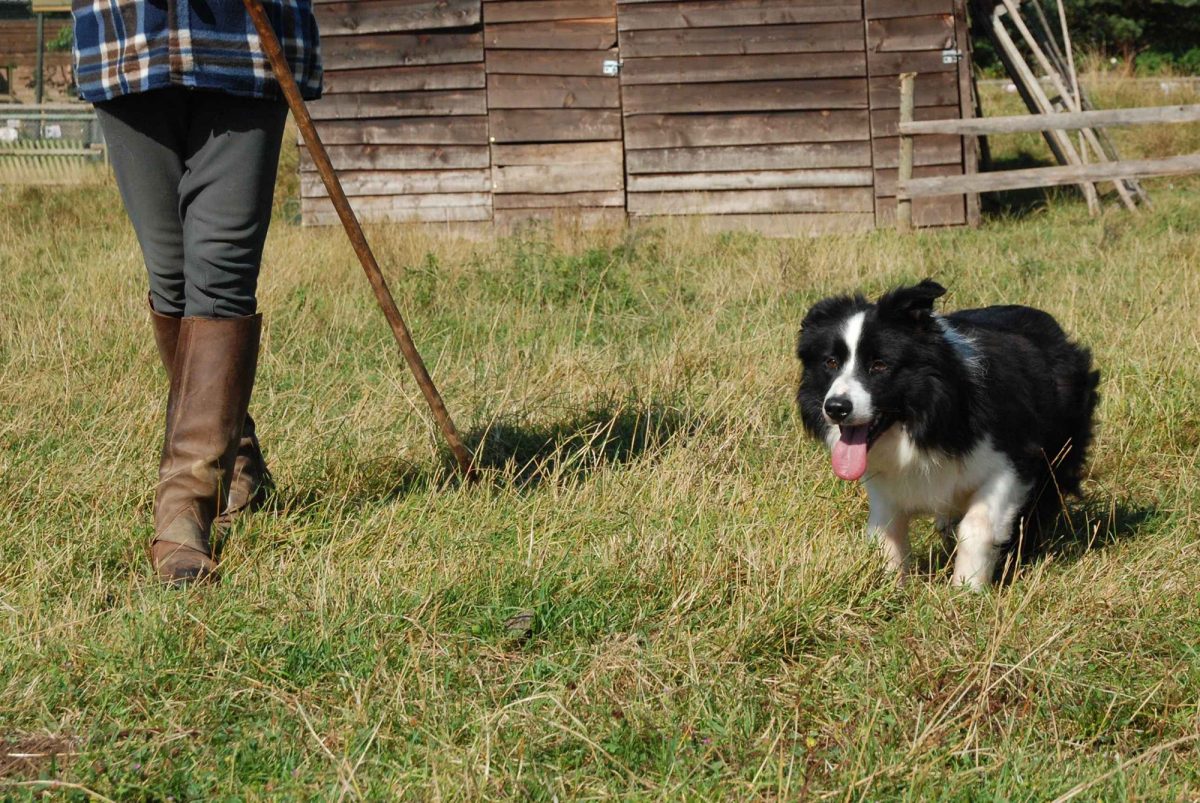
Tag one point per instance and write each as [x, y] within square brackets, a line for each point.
[706, 618]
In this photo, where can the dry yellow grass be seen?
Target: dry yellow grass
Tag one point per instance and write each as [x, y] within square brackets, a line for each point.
[705, 618]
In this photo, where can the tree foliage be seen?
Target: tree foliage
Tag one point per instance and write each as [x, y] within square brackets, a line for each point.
[1127, 27]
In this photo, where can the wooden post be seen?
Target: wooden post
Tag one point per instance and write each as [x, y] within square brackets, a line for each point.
[903, 202]
[968, 105]
[39, 79]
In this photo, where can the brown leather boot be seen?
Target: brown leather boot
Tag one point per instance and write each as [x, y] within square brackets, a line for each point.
[215, 360]
[251, 481]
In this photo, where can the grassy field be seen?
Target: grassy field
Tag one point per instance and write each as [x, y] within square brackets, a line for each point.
[696, 613]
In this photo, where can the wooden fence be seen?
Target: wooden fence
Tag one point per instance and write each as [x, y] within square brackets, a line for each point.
[926, 187]
[49, 144]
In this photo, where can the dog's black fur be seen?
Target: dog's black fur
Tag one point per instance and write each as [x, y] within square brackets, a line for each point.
[1007, 374]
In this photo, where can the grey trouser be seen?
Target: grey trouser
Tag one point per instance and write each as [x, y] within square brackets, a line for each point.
[196, 171]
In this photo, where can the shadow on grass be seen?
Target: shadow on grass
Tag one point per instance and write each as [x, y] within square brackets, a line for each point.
[519, 450]
[1095, 524]
[1085, 526]
[513, 450]
[1022, 202]
[351, 482]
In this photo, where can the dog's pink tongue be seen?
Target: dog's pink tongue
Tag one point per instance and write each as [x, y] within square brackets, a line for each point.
[850, 453]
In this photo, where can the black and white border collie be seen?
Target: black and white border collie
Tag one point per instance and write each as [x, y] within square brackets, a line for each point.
[981, 418]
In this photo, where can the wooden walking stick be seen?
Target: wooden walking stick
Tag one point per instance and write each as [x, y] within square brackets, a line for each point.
[358, 240]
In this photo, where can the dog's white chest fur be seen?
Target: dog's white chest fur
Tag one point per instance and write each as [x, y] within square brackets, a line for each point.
[981, 490]
[920, 482]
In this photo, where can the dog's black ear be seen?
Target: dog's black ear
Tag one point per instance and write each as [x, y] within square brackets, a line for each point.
[913, 303]
[830, 309]
[826, 311]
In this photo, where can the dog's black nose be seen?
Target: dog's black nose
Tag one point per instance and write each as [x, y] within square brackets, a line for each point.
[838, 407]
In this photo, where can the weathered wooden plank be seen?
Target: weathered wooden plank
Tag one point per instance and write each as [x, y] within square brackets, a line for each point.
[933, 32]
[778, 225]
[443, 200]
[543, 10]
[751, 180]
[927, 150]
[549, 62]
[555, 178]
[937, 89]
[566, 199]
[886, 122]
[384, 16]
[818, 93]
[406, 79]
[762, 67]
[606, 217]
[357, 106]
[925, 211]
[840, 199]
[749, 157]
[880, 9]
[1055, 176]
[399, 182]
[553, 92]
[575, 153]
[400, 49]
[816, 38]
[594, 34]
[554, 125]
[326, 216]
[895, 62]
[753, 128]
[725, 13]
[885, 178]
[409, 131]
[401, 157]
[1062, 121]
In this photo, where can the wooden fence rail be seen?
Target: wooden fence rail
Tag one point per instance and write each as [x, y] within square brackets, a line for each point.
[1083, 174]
[982, 126]
[1051, 176]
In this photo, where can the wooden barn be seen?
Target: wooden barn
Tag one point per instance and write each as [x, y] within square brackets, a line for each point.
[773, 115]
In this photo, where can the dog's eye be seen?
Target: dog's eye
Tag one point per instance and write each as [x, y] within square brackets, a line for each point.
[878, 367]
[831, 363]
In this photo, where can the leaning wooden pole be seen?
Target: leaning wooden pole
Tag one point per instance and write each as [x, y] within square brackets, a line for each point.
[358, 240]
[1060, 143]
[1071, 101]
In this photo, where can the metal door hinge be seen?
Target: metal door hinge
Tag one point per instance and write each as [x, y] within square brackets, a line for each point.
[611, 66]
[951, 56]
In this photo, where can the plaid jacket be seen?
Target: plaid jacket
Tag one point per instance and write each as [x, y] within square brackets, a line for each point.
[128, 46]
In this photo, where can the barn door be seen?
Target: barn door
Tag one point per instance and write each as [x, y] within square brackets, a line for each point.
[930, 38]
[753, 114]
[554, 110]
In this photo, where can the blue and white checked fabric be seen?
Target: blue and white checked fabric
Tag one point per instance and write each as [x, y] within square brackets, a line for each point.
[128, 46]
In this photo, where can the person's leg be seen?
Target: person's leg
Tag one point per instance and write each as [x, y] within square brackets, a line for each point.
[210, 388]
[251, 481]
[225, 196]
[146, 137]
[211, 357]
[225, 200]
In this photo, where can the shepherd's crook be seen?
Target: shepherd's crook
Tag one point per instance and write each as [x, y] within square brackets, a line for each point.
[354, 231]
